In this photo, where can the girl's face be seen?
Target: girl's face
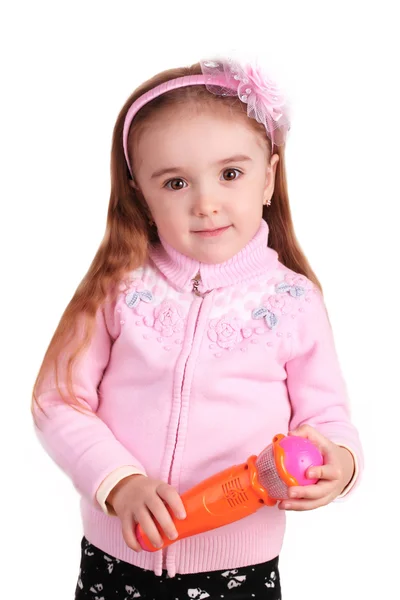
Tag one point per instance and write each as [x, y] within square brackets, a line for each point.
[205, 178]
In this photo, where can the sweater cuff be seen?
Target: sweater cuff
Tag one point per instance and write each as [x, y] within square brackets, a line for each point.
[109, 484]
[353, 480]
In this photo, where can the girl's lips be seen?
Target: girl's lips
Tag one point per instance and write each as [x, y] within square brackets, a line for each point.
[211, 232]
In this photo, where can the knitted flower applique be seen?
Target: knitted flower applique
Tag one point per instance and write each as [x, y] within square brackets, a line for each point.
[276, 304]
[225, 332]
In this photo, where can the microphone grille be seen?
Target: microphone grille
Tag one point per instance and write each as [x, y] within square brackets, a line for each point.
[268, 475]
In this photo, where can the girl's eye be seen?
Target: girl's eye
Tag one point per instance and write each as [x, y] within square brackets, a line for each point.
[231, 174]
[175, 184]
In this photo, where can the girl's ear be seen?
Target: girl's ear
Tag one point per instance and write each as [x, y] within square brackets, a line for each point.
[270, 181]
[133, 184]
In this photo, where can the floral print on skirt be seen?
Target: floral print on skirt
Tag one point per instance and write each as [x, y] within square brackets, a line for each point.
[102, 577]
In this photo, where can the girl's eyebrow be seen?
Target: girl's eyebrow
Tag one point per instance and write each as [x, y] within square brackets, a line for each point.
[231, 159]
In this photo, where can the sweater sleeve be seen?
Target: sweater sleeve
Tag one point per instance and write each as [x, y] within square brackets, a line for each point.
[316, 387]
[80, 443]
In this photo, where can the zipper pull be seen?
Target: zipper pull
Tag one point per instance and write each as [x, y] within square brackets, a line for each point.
[196, 282]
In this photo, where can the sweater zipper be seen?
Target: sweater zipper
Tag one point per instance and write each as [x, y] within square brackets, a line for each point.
[195, 289]
[170, 551]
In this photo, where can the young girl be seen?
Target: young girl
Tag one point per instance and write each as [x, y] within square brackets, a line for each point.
[198, 333]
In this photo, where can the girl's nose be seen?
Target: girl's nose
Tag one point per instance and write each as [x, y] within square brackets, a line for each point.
[205, 205]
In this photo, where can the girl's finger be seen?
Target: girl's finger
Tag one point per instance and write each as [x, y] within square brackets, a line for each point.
[149, 527]
[312, 492]
[299, 505]
[159, 511]
[128, 533]
[173, 499]
[329, 471]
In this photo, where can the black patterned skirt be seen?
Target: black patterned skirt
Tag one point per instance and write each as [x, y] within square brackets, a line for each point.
[103, 577]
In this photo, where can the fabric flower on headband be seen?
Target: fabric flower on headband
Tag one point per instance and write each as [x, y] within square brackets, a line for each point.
[265, 103]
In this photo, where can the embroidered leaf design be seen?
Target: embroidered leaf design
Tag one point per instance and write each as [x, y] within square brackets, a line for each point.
[132, 299]
[259, 313]
[283, 287]
[146, 296]
[271, 319]
[297, 291]
[294, 290]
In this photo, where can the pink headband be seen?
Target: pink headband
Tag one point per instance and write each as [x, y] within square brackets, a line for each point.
[227, 78]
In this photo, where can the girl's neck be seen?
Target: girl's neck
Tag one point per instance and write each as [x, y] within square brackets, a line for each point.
[183, 272]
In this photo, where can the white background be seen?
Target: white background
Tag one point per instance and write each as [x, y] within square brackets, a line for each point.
[67, 69]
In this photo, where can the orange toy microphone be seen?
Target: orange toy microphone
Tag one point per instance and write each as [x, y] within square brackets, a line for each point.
[241, 490]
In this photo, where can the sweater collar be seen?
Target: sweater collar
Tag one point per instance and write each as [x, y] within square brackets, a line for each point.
[248, 264]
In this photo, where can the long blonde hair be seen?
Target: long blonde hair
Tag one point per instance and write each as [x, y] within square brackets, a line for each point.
[128, 233]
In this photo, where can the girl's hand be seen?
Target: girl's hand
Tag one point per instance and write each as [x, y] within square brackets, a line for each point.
[139, 499]
[333, 475]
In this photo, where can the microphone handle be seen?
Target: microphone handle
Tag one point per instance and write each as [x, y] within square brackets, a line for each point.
[219, 500]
